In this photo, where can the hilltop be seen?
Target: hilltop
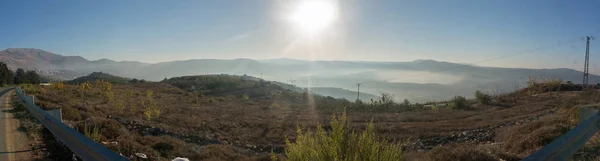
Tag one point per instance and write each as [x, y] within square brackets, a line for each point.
[100, 76]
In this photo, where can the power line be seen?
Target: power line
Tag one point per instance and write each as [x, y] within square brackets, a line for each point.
[587, 61]
[358, 92]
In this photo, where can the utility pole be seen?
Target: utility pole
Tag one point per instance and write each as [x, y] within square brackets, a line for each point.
[358, 92]
[587, 61]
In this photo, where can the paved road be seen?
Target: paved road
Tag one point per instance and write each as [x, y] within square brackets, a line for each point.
[13, 143]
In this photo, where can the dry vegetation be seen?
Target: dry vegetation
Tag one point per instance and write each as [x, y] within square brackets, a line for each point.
[233, 118]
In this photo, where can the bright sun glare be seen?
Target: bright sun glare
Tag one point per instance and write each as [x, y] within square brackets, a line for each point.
[312, 16]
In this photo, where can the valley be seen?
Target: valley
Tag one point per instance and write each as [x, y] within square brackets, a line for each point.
[419, 80]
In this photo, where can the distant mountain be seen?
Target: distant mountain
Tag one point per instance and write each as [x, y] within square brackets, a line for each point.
[38, 59]
[419, 80]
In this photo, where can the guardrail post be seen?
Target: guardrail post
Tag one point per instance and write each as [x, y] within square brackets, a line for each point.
[32, 98]
[56, 113]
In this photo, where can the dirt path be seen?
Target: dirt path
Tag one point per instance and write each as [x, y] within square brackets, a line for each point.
[13, 143]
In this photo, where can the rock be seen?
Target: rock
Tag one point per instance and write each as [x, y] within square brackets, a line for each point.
[180, 159]
[141, 155]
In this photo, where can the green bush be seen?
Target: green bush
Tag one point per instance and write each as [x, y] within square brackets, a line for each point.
[482, 97]
[341, 144]
[459, 102]
[92, 133]
[245, 97]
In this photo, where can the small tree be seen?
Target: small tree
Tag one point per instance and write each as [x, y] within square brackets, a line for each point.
[33, 77]
[6, 75]
[459, 102]
[83, 88]
[20, 77]
[406, 103]
[386, 100]
[482, 97]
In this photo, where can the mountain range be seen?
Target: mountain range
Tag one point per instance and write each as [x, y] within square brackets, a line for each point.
[419, 80]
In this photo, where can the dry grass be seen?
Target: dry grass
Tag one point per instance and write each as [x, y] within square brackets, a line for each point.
[524, 140]
[268, 120]
[467, 152]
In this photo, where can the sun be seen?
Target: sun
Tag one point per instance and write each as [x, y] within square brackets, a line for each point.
[312, 16]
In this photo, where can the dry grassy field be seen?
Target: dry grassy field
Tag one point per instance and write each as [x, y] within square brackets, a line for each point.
[164, 121]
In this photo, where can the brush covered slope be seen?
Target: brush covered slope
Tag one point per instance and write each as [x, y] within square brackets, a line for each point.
[225, 117]
[100, 76]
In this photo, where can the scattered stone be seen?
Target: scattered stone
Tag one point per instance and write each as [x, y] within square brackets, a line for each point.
[180, 159]
[141, 155]
[480, 135]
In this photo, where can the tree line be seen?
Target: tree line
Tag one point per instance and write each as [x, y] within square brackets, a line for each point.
[7, 76]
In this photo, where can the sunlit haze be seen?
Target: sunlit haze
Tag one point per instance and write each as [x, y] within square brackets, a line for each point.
[311, 16]
[488, 33]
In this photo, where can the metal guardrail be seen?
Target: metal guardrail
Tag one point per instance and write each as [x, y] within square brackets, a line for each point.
[82, 146]
[566, 145]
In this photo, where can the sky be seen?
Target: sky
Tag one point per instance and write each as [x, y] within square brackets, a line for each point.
[508, 33]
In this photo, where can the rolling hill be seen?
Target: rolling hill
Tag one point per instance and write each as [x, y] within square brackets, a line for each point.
[100, 76]
[419, 80]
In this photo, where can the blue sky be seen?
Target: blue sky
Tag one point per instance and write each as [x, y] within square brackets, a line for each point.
[466, 31]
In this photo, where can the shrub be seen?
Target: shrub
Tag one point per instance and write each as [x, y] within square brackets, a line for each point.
[111, 129]
[149, 94]
[59, 86]
[482, 97]
[459, 102]
[119, 105]
[92, 133]
[128, 94]
[245, 97]
[71, 114]
[341, 144]
[103, 85]
[164, 148]
[109, 96]
[83, 87]
[406, 103]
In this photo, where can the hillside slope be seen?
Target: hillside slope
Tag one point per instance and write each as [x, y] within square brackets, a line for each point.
[100, 76]
[210, 121]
